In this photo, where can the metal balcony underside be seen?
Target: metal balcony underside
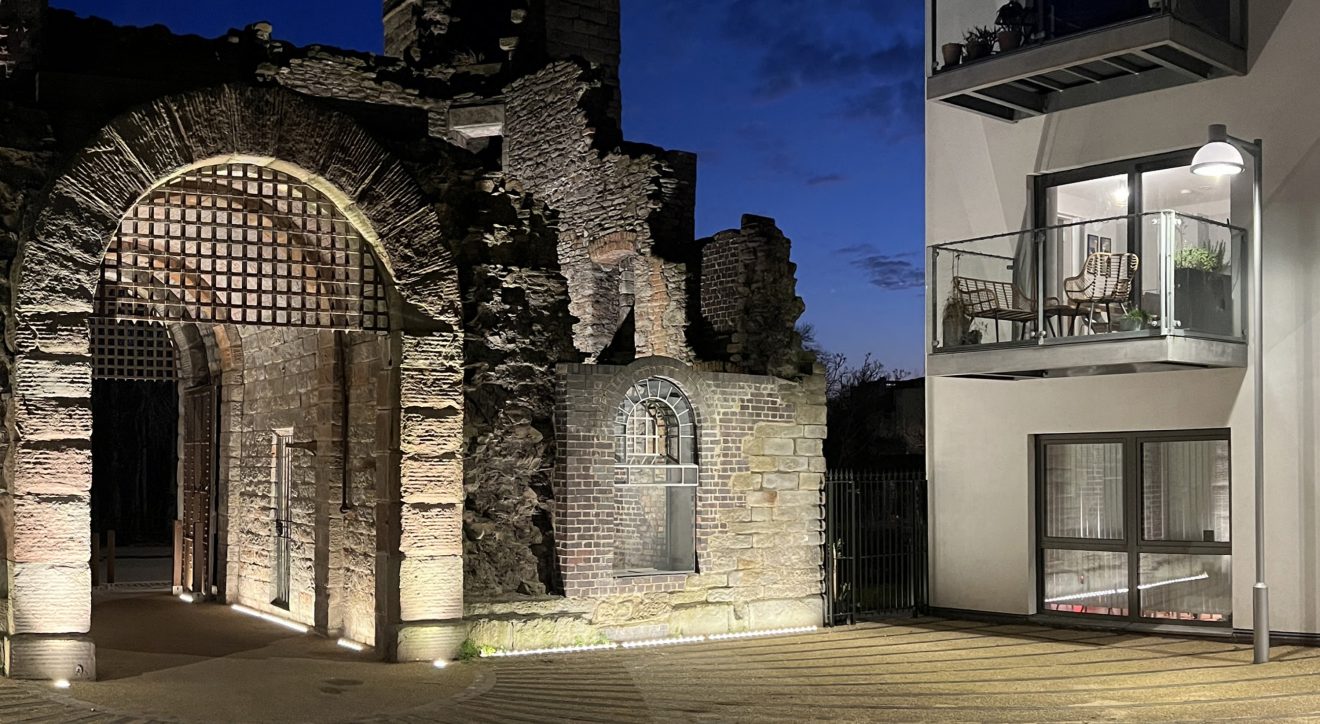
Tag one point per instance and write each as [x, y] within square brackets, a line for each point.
[1089, 357]
[1113, 62]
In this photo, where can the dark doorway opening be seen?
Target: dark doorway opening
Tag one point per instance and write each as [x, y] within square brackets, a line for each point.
[134, 469]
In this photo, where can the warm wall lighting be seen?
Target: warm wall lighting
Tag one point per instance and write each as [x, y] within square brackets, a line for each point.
[60, 683]
[439, 663]
[291, 625]
[351, 645]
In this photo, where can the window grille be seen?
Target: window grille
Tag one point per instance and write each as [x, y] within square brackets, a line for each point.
[655, 481]
[655, 436]
[132, 350]
[243, 244]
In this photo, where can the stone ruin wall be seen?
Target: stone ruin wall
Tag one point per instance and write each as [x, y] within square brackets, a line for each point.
[573, 183]
[760, 527]
[290, 379]
[748, 299]
[562, 146]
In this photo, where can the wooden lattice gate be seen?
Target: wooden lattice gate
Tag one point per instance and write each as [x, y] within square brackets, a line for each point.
[199, 408]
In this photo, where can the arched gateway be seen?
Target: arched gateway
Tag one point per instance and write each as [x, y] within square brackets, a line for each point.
[279, 244]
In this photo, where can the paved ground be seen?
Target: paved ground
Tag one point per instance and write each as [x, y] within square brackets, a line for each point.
[223, 667]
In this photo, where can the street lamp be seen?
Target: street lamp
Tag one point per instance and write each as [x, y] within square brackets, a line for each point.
[1222, 156]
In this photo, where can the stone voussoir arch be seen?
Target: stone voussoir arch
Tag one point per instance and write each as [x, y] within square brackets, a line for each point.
[55, 277]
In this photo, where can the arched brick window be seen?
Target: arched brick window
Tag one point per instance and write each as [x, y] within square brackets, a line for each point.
[655, 481]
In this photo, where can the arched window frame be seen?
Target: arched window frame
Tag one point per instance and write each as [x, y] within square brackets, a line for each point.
[655, 436]
[656, 475]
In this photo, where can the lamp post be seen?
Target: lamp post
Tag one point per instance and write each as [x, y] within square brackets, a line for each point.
[1222, 156]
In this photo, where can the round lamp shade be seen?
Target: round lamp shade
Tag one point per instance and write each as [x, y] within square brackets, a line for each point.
[1218, 158]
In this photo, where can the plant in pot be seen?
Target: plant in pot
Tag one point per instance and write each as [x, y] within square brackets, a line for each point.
[1011, 22]
[953, 54]
[957, 324]
[1203, 293]
[1136, 319]
[980, 42]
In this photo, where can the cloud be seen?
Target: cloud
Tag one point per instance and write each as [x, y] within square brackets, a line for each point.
[826, 179]
[871, 50]
[777, 155]
[891, 272]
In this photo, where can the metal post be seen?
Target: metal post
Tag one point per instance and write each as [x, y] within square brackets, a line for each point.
[1260, 600]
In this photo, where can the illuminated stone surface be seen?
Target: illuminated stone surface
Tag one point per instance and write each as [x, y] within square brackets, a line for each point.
[531, 255]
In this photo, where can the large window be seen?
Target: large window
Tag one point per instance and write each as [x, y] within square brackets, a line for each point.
[655, 481]
[1136, 526]
[1100, 209]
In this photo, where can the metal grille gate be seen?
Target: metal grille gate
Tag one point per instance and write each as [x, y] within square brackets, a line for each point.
[875, 544]
[198, 484]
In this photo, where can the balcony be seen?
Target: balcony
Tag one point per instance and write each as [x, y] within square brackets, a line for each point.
[1059, 54]
[1137, 293]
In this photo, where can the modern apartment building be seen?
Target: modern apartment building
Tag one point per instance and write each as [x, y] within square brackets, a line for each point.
[1091, 436]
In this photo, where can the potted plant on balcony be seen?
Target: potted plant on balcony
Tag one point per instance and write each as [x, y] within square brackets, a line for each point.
[980, 42]
[1136, 319]
[953, 53]
[1012, 24]
[957, 324]
[1203, 293]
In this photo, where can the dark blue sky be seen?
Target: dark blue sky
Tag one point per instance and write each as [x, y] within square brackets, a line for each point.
[805, 110]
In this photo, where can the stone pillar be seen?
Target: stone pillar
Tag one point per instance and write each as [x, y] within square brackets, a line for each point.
[49, 576]
[429, 498]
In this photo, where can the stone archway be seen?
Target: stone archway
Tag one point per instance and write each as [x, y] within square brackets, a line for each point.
[420, 578]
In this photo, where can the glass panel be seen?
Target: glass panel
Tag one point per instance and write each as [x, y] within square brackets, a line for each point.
[984, 291]
[1099, 198]
[1209, 269]
[1178, 189]
[1093, 582]
[1185, 491]
[1084, 490]
[654, 529]
[1185, 587]
[1097, 291]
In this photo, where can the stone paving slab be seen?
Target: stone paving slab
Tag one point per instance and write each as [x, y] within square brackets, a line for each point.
[917, 670]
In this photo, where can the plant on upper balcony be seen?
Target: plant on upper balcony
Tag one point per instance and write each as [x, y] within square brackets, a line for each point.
[980, 41]
[1012, 22]
[953, 54]
[1200, 258]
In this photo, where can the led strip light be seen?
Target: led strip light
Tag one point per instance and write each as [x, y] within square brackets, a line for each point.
[647, 643]
[291, 625]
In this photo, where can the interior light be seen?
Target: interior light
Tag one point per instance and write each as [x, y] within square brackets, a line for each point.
[60, 683]
[351, 645]
[439, 663]
[1218, 157]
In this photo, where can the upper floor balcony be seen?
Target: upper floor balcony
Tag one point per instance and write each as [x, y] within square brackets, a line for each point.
[1010, 59]
[1135, 293]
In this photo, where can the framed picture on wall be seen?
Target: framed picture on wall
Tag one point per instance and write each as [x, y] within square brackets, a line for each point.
[1099, 244]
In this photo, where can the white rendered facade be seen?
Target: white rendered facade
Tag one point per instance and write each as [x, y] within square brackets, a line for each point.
[983, 434]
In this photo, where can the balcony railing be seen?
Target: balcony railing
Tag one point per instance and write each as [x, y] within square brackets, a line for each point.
[1069, 53]
[1158, 274]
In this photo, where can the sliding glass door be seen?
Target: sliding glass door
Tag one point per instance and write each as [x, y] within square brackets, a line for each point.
[1135, 526]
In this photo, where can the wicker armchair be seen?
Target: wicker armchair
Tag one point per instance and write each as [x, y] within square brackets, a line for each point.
[1105, 282]
[998, 301]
